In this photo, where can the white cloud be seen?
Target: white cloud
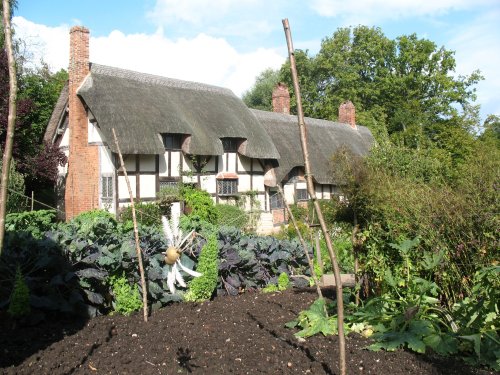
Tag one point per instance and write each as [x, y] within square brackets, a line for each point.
[371, 11]
[202, 58]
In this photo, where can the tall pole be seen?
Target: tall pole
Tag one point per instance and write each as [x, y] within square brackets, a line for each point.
[11, 121]
[312, 194]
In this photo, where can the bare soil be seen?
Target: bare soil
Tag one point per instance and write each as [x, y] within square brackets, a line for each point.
[229, 335]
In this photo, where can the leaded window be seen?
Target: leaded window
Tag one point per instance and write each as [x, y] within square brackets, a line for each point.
[107, 191]
[301, 195]
[230, 144]
[172, 141]
[276, 201]
[227, 187]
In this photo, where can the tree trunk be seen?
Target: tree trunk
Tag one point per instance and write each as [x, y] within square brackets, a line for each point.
[7, 153]
[312, 194]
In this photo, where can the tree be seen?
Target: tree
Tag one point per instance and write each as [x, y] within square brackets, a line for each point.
[7, 154]
[260, 95]
[400, 87]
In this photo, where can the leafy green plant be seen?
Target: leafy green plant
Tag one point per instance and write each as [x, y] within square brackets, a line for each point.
[478, 319]
[283, 284]
[166, 197]
[19, 304]
[231, 215]
[148, 214]
[314, 321]
[202, 288]
[200, 203]
[34, 222]
[127, 299]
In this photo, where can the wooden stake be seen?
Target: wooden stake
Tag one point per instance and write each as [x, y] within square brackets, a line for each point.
[312, 194]
[304, 246]
[136, 232]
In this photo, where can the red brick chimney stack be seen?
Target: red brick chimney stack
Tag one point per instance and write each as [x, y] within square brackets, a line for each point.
[347, 114]
[281, 99]
[81, 192]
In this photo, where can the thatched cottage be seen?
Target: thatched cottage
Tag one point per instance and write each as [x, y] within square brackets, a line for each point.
[171, 130]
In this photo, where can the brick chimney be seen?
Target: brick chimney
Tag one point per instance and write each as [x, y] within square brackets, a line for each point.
[347, 114]
[281, 99]
[82, 189]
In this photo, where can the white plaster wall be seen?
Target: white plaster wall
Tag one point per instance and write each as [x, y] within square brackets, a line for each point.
[65, 138]
[209, 184]
[122, 187]
[289, 192]
[163, 165]
[244, 163]
[147, 163]
[175, 163]
[105, 160]
[244, 183]
[258, 183]
[94, 136]
[148, 186]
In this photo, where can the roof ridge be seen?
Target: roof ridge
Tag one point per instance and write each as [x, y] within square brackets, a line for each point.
[156, 79]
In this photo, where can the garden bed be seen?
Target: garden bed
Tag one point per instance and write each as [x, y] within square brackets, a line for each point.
[240, 335]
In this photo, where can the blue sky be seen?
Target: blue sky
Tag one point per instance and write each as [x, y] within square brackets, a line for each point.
[229, 42]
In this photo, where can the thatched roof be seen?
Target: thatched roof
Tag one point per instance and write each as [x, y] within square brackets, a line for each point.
[57, 113]
[141, 106]
[323, 137]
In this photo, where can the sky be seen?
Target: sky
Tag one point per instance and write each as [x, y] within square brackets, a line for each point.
[229, 42]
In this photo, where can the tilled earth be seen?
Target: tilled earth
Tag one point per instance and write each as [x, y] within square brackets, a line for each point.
[229, 335]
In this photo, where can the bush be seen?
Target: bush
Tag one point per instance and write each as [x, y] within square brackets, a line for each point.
[201, 288]
[126, 298]
[231, 216]
[34, 222]
[200, 203]
[166, 196]
[148, 214]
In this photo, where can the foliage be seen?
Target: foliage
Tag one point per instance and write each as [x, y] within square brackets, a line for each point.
[126, 298]
[34, 222]
[231, 215]
[478, 318]
[16, 202]
[404, 86]
[250, 262]
[260, 95]
[314, 321]
[148, 214]
[166, 197]
[283, 284]
[200, 203]
[194, 222]
[19, 304]
[201, 288]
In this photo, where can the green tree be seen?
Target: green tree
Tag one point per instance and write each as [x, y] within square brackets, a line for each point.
[260, 95]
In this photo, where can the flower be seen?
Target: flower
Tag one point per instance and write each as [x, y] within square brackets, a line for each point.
[176, 245]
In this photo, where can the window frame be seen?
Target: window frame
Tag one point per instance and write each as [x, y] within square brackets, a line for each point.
[276, 201]
[107, 189]
[230, 144]
[299, 195]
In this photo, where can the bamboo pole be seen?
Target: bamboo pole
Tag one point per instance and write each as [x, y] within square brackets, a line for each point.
[136, 233]
[312, 194]
[303, 243]
[11, 120]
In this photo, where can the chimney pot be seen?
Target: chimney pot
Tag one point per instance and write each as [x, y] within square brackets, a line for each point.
[281, 99]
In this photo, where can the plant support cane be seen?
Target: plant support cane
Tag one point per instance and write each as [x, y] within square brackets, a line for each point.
[136, 233]
[312, 194]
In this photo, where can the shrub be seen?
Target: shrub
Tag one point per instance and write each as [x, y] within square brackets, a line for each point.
[19, 304]
[34, 222]
[200, 203]
[202, 288]
[166, 196]
[231, 216]
[126, 298]
[148, 214]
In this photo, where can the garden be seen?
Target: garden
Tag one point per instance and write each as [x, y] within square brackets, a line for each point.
[231, 301]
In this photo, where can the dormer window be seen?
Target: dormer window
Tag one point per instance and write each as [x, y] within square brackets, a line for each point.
[230, 144]
[172, 142]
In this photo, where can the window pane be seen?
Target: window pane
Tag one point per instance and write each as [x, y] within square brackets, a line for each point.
[227, 187]
[301, 194]
[276, 201]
